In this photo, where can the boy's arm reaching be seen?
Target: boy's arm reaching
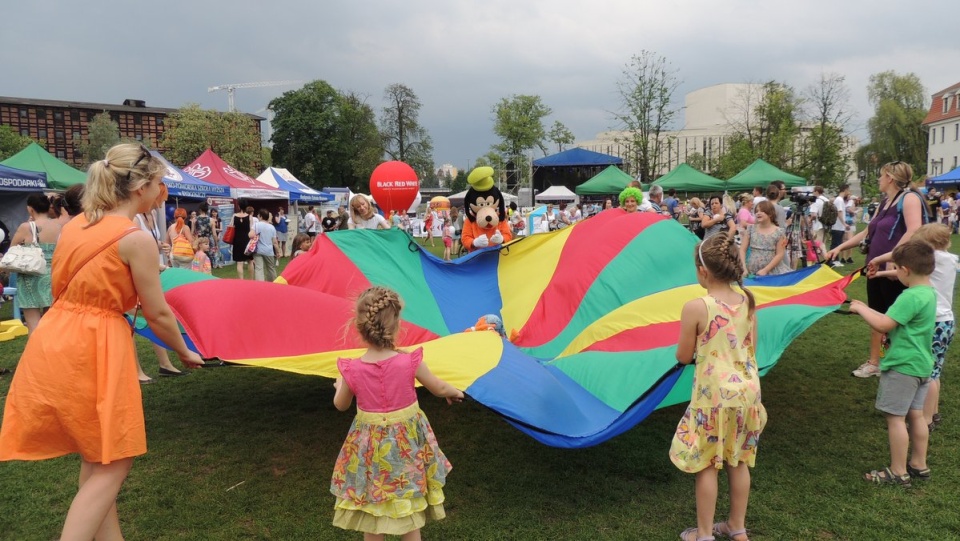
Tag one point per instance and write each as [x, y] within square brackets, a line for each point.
[877, 321]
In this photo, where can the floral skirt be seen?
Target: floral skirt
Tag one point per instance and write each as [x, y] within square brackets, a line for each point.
[389, 476]
[711, 436]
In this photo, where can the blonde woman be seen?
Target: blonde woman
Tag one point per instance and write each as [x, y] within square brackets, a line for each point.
[75, 389]
[363, 216]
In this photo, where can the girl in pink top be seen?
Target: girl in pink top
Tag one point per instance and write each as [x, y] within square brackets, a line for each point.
[389, 476]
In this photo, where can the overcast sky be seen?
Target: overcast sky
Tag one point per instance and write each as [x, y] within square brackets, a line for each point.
[461, 57]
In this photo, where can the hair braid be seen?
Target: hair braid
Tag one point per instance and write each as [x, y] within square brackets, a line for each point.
[722, 258]
[378, 316]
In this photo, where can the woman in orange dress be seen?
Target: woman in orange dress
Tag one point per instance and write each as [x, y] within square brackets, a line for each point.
[75, 389]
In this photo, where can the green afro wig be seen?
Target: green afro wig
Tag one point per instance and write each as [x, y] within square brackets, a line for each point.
[630, 191]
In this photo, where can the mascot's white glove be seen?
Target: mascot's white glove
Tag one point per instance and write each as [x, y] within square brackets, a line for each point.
[496, 238]
[482, 241]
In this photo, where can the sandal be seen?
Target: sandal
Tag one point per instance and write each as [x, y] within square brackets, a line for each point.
[919, 475]
[685, 535]
[722, 529]
[887, 477]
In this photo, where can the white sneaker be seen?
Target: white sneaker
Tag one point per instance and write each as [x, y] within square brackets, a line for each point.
[867, 370]
[836, 263]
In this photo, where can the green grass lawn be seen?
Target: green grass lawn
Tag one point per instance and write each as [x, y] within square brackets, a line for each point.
[247, 453]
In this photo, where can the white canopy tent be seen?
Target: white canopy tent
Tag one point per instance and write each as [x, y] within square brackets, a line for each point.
[556, 193]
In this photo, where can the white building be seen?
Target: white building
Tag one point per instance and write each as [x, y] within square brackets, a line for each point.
[711, 116]
[943, 125]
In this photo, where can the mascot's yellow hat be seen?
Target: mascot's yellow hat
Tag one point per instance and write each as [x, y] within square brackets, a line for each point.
[481, 178]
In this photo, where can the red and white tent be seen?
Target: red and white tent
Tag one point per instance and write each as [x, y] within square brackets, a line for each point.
[211, 168]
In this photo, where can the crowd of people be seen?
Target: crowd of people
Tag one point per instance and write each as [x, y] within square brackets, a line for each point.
[74, 389]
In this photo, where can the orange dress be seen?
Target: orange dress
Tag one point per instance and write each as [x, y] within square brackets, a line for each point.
[75, 389]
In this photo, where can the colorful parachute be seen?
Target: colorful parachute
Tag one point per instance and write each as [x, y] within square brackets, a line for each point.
[594, 310]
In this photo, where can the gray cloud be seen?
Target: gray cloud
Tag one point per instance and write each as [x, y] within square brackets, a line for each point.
[459, 57]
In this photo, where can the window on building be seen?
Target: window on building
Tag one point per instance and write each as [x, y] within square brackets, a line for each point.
[23, 113]
[137, 119]
[933, 136]
[42, 134]
[943, 131]
[25, 132]
[946, 104]
[139, 137]
[76, 135]
[75, 116]
[956, 131]
[59, 134]
[62, 154]
[954, 162]
[58, 115]
[41, 114]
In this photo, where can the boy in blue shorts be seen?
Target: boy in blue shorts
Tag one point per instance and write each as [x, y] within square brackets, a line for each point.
[905, 369]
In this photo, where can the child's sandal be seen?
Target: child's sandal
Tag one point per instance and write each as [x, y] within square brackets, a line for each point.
[920, 475]
[685, 535]
[722, 529]
[887, 477]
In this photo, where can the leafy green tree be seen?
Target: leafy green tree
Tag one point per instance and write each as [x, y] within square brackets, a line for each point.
[191, 130]
[766, 126]
[646, 110]
[896, 131]
[827, 152]
[459, 183]
[103, 133]
[560, 135]
[404, 139]
[11, 142]
[325, 137]
[698, 161]
[518, 122]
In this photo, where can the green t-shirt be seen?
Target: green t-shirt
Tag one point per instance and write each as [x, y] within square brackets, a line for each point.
[915, 312]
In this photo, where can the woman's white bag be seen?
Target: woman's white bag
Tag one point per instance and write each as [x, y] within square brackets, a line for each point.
[25, 258]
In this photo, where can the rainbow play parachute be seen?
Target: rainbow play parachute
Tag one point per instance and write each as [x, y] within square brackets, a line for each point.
[594, 312]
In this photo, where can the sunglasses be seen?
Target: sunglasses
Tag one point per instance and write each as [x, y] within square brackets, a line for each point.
[144, 153]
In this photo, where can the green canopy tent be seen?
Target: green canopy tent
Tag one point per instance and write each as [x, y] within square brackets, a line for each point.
[684, 178]
[611, 180]
[60, 176]
[761, 173]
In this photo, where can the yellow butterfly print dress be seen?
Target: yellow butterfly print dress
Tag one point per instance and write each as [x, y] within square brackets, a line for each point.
[725, 417]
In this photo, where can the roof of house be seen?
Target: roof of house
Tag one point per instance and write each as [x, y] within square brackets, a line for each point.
[936, 113]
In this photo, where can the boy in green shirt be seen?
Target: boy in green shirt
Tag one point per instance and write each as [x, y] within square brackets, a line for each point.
[905, 369]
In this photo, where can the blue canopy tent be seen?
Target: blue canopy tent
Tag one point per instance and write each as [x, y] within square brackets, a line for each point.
[15, 186]
[577, 157]
[570, 168]
[181, 184]
[950, 178]
[299, 192]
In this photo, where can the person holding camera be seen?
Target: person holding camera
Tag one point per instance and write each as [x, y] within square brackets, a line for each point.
[898, 216]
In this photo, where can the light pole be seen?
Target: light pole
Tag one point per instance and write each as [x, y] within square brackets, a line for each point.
[863, 179]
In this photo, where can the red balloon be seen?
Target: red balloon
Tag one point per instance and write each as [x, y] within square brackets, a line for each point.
[394, 185]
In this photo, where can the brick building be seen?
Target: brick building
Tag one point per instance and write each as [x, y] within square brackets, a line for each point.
[60, 125]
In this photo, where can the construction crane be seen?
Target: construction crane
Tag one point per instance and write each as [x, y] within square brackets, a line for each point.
[231, 88]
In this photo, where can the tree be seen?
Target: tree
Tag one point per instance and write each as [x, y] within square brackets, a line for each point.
[103, 133]
[191, 130]
[518, 122]
[765, 126]
[646, 91]
[11, 142]
[325, 137]
[560, 135]
[404, 139]
[459, 183]
[827, 152]
[896, 128]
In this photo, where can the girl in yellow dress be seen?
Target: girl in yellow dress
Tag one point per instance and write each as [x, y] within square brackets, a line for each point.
[722, 424]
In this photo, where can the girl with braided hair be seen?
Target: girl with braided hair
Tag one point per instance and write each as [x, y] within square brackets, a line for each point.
[389, 476]
[723, 422]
